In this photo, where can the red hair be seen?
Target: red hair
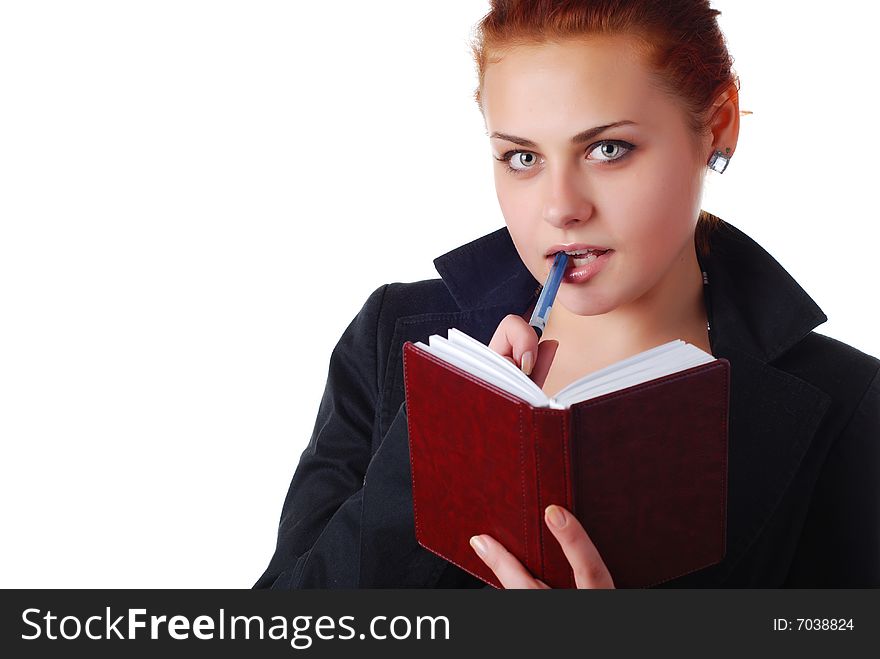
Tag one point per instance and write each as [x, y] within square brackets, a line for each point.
[679, 39]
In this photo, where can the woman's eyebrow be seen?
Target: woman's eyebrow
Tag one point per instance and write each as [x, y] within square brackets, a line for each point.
[580, 138]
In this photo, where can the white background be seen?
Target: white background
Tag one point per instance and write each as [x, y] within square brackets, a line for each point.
[175, 177]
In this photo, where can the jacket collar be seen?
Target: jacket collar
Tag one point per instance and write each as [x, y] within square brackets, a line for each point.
[754, 305]
[487, 272]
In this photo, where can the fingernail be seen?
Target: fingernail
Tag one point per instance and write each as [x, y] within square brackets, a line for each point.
[479, 544]
[555, 516]
[528, 361]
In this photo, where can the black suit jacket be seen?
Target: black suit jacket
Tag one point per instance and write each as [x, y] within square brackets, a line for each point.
[804, 443]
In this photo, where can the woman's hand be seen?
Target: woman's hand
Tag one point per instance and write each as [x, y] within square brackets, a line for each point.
[516, 341]
[589, 568]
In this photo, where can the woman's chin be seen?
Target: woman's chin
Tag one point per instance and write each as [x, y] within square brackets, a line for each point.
[578, 304]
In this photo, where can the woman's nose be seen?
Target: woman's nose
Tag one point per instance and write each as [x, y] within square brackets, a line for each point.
[566, 199]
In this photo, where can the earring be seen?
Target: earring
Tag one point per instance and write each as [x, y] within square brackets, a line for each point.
[718, 162]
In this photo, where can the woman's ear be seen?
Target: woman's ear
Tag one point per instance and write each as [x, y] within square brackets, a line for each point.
[724, 124]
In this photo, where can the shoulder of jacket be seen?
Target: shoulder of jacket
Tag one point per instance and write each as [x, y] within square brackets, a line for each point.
[398, 299]
[392, 301]
[425, 296]
[833, 353]
[842, 371]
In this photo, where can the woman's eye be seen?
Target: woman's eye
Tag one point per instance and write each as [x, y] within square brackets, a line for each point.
[609, 150]
[521, 161]
[518, 162]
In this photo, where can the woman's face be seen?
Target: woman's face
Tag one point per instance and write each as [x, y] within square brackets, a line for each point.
[635, 189]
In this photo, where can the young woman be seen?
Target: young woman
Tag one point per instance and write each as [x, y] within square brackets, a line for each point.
[604, 119]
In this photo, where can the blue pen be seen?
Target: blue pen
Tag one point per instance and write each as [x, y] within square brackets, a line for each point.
[541, 314]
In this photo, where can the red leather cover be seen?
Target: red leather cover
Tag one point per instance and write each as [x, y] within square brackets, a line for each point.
[643, 469]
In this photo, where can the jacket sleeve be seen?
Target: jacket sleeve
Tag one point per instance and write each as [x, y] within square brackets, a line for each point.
[325, 495]
[347, 520]
[840, 542]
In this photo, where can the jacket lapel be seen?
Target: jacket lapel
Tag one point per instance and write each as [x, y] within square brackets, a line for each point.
[756, 313]
[773, 418]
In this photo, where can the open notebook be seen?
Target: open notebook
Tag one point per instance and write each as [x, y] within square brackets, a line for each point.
[476, 358]
[636, 451]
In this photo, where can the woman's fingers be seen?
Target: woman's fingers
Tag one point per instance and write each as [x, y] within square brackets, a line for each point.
[509, 571]
[589, 568]
[546, 353]
[515, 339]
[517, 342]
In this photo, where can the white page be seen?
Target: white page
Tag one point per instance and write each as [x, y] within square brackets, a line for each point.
[491, 374]
[476, 358]
[629, 362]
[626, 380]
[681, 356]
[459, 338]
[472, 364]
